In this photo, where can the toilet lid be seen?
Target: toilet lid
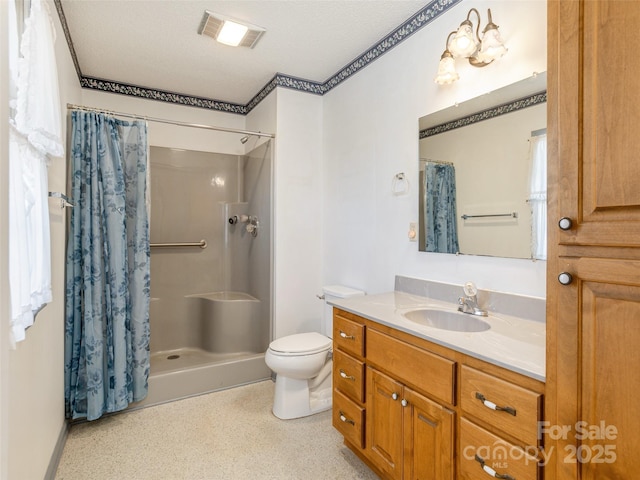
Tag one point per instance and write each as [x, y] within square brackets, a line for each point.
[301, 343]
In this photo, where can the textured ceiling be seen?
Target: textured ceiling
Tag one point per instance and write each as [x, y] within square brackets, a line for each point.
[155, 44]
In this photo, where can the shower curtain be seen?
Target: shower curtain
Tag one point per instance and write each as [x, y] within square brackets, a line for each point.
[441, 231]
[108, 267]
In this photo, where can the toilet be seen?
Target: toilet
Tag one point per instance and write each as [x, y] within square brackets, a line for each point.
[302, 364]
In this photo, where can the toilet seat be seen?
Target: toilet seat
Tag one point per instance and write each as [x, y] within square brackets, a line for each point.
[300, 344]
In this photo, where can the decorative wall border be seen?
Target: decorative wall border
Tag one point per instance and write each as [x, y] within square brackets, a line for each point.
[161, 95]
[419, 20]
[515, 105]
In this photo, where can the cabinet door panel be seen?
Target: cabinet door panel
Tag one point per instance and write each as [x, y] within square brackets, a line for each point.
[601, 411]
[520, 411]
[482, 452]
[348, 335]
[417, 367]
[348, 419]
[384, 423]
[348, 375]
[429, 443]
[599, 171]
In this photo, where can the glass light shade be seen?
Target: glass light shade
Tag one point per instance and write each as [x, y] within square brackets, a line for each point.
[492, 47]
[463, 44]
[446, 70]
[231, 33]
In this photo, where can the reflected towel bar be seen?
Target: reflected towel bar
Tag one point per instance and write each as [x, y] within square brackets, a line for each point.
[512, 215]
[201, 244]
[64, 200]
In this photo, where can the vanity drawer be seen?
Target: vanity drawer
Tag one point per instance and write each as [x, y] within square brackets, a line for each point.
[424, 370]
[521, 408]
[348, 375]
[348, 335]
[348, 419]
[479, 447]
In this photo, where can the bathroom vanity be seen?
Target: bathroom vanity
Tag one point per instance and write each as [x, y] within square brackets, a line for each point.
[414, 401]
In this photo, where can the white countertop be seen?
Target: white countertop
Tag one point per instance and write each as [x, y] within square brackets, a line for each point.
[514, 343]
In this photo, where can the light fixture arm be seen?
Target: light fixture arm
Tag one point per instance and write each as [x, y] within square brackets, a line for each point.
[469, 22]
[446, 44]
[490, 23]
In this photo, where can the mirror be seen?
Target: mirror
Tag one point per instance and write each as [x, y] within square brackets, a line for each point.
[483, 174]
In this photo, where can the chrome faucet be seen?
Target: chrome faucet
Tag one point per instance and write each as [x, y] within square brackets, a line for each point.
[469, 302]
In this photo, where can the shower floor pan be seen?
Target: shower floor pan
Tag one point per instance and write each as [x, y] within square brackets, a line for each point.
[181, 358]
[186, 372]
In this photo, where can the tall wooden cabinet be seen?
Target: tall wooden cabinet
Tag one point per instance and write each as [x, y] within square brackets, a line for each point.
[593, 316]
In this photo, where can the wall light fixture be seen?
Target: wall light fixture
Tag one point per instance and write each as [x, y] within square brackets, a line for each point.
[463, 44]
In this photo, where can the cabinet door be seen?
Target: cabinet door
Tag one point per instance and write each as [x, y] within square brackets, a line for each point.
[596, 137]
[384, 423]
[598, 370]
[593, 324]
[428, 439]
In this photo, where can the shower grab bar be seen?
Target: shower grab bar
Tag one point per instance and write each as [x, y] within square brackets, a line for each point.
[201, 244]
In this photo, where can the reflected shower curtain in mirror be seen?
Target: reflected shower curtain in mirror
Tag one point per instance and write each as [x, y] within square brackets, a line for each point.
[108, 267]
[441, 231]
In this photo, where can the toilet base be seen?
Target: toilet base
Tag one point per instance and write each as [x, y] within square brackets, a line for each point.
[293, 399]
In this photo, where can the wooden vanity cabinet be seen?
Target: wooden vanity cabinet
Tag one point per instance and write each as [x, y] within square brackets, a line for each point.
[408, 407]
[408, 435]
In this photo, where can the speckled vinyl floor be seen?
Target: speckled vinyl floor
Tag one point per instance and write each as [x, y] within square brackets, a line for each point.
[224, 435]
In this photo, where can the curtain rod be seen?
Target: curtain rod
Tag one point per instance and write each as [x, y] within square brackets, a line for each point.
[170, 122]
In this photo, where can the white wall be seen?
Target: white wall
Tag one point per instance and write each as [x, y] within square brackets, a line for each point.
[35, 371]
[370, 131]
[298, 213]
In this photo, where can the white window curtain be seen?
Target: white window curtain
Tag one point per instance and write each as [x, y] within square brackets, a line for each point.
[538, 196]
[35, 136]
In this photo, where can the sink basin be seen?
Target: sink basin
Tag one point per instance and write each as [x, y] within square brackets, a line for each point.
[447, 320]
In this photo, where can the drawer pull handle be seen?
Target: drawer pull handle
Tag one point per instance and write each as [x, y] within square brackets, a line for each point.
[427, 421]
[348, 337]
[491, 471]
[493, 406]
[343, 374]
[345, 419]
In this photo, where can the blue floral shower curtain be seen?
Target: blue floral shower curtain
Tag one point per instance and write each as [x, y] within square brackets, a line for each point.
[441, 231]
[108, 267]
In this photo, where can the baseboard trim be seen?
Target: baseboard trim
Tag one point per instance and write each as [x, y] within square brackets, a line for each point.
[57, 452]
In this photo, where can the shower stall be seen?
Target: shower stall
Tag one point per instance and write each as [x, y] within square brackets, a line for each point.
[210, 309]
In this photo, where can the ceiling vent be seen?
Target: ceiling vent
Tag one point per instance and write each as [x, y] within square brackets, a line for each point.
[216, 26]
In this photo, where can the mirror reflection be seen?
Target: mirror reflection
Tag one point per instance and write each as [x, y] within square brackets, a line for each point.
[483, 174]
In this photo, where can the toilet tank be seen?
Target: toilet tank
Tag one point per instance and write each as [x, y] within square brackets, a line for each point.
[333, 292]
